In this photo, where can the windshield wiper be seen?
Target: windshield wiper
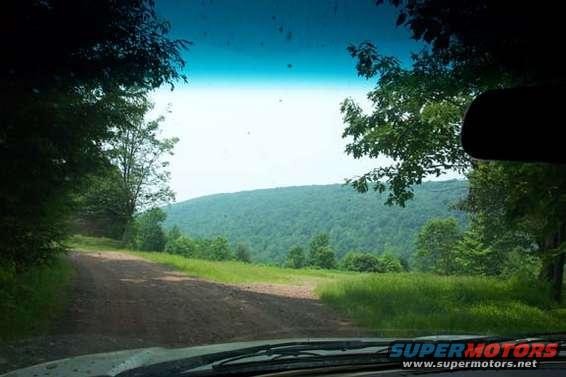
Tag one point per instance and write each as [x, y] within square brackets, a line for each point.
[278, 356]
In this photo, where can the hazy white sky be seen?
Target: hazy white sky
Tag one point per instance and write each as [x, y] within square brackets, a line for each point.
[234, 139]
[262, 108]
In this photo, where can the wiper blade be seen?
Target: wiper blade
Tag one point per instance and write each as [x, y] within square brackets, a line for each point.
[271, 352]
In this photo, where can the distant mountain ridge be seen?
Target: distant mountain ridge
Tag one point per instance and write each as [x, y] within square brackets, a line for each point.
[270, 221]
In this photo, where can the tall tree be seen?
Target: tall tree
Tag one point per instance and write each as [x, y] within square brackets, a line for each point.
[471, 46]
[296, 257]
[65, 67]
[320, 253]
[138, 152]
[436, 244]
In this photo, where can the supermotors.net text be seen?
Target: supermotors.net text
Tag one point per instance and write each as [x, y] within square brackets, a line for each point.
[471, 364]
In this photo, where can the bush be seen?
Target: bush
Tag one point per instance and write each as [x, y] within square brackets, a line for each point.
[150, 235]
[182, 246]
[366, 262]
[360, 262]
[296, 257]
[31, 300]
[243, 254]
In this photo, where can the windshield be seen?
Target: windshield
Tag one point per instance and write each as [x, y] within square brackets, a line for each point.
[189, 173]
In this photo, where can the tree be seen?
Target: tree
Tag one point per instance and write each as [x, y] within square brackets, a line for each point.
[472, 46]
[138, 153]
[415, 121]
[99, 206]
[360, 262]
[174, 233]
[218, 250]
[522, 207]
[390, 263]
[182, 246]
[436, 243]
[149, 232]
[65, 70]
[134, 177]
[320, 253]
[242, 253]
[296, 257]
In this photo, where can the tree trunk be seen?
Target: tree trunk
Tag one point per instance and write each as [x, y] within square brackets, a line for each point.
[553, 265]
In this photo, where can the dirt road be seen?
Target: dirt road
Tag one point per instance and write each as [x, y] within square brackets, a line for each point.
[120, 301]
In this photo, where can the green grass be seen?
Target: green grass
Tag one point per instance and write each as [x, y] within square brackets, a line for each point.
[238, 272]
[408, 304]
[30, 301]
[86, 243]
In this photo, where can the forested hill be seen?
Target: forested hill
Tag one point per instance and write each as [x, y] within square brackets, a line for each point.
[273, 220]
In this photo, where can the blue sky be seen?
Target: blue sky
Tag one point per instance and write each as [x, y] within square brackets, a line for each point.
[262, 42]
[266, 79]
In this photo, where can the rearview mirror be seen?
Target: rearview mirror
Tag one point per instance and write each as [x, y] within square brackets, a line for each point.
[520, 124]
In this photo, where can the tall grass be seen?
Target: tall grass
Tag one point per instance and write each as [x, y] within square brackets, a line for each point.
[31, 300]
[405, 304]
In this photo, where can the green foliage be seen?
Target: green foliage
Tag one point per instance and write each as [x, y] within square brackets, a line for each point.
[417, 113]
[138, 153]
[182, 246]
[87, 243]
[216, 249]
[100, 205]
[30, 301]
[415, 121]
[134, 178]
[174, 233]
[360, 262]
[149, 233]
[414, 304]
[366, 262]
[64, 83]
[242, 253]
[436, 244]
[321, 255]
[296, 257]
[287, 217]
[390, 263]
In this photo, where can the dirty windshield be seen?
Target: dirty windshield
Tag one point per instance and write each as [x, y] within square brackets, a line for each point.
[188, 173]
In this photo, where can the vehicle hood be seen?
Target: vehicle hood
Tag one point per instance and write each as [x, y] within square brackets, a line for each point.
[113, 363]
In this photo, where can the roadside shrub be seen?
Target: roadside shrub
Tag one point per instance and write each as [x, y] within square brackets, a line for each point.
[296, 257]
[150, 234]
[182, 246]
[366, 262]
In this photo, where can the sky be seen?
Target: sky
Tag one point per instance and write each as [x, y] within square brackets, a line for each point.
[266, 79]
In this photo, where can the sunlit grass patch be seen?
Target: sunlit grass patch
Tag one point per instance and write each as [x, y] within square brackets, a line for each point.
[30, 301]
[238, 272]
[85, 243]
[407, 304]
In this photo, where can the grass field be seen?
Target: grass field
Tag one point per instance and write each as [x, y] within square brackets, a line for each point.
[413, 303]
[393, 304]
[30, 301]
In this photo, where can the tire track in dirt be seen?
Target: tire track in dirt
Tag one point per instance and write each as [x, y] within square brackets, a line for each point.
[120, 301]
